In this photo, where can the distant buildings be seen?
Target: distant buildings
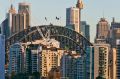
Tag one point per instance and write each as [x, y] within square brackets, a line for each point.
[72, 66]
[72, 19]
[31, 59]
[49, 59]
[112, 63]
[2, 57]
[102, 31]
[98, 60]
[16, 22]
[85, 29]
[114, 32]
[5, 30]
[24, 8]
[73, 16]
[16, 59]
[118, 59]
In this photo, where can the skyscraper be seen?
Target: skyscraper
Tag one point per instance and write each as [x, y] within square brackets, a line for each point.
[73, 16]
[98, 60]
[85, 30]
[72, 66]
[6, 25]
[2, 57]
[31, 59]
[25, 8]
[16, 59]
[112, 63]
[102, 31]
[49, 59]
[16, 22]
[114, 32]
[5, 30]
[118, 59]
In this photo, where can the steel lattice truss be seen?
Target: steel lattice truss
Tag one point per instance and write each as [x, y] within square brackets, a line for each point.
[68, 38]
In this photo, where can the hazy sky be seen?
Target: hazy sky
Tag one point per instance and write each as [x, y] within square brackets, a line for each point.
[92, 12]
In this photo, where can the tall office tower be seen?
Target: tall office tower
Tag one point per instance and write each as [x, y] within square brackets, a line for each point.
[98, 60]
[18, 22]
[112, 63]
[24, 8]
[2, 57]
[31, 59]
[73, 16]
[114, 24]
[5, 30]
[49, 59]
[72, 66]
[6, 25]
[16, 59]
[114, 32]
[102, 31]
[72, 19]
[85, 30]
[117, 59]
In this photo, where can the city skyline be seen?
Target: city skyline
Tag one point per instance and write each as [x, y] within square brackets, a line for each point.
[92, 12]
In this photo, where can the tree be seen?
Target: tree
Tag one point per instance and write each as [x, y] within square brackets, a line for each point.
[36, 75]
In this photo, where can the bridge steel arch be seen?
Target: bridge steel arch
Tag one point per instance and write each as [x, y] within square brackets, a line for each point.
[68, 38]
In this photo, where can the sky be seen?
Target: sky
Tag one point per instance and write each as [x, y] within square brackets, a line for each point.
[92, 12]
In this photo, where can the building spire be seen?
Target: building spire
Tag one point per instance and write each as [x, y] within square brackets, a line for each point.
[12, 9]
[79, 4]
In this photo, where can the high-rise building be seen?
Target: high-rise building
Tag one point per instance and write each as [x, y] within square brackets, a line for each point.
[73, 16]
[16, 22]
[72, 66]
[85, 30]
[102, 31]
[16, 59]
[6, 25]
[114, 33]
[112, 63]
[99, 60]
[117, 59]
[5, 30]
[49, 58]
[31, 59]
[24, 8]
[2, 57]
[114, 24]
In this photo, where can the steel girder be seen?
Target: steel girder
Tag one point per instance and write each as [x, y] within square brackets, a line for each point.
[69, 39]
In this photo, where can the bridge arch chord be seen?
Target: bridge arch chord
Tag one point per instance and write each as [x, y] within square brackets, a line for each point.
[65, 36]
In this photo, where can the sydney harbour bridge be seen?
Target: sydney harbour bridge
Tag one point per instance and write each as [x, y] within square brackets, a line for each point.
[68, 38]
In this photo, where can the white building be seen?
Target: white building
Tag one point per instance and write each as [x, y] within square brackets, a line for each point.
[2, 57]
